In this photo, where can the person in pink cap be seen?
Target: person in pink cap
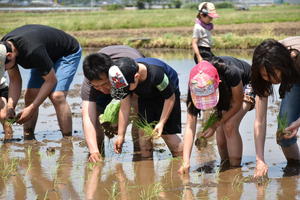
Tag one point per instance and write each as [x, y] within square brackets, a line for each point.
[222, 86]
[202, 39]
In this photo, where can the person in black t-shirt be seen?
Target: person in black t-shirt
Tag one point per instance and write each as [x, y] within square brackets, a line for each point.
[53, 57]
[156, 85]
[221, 86]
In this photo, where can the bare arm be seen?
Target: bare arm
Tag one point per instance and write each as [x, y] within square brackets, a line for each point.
[45, 90]
[15, 87]
[124, 113]
[196, 49]
[189, 135]
[167, 109]
[260, 134]
[236, 102]
[89, 122]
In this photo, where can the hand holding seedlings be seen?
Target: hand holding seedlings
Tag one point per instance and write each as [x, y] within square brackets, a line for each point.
[293, 128]
[282, 125]
[109, 119]
[207, 130]
[147, 128]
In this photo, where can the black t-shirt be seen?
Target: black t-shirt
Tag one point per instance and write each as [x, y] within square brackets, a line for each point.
[41, 46]
[157, 84]
[237, 70]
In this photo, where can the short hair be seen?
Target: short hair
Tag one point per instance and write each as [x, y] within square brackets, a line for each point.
[96, 64]
[271, 55]
[128, 68]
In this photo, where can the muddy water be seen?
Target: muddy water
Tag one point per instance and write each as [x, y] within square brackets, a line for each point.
[56, 168]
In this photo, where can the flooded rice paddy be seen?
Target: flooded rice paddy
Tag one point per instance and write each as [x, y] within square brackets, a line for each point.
[56, 168]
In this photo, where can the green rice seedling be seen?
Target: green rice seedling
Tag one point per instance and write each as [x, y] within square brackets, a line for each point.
[146, 127]
[114, 192]
[109, 119]
[152, 192]
[28, 152]
[282, 125]
[237, 182]
[213, 118]
[8, 169]
[11, 121]
[201, 142]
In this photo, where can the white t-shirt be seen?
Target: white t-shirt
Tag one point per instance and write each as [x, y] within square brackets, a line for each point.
[203, 35]
[3, 83]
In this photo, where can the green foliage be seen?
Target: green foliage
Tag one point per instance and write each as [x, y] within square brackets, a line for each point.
[11, 121]
[142, 124]
[213, 118]
[192, 6]
[113, 7]
[140, 4]
[224, 4]
[282, 122]
[176, 3]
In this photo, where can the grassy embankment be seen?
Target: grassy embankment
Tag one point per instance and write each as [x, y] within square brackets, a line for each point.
[164, 28]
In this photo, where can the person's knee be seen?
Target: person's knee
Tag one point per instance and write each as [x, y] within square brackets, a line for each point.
[229, 129]
[58, 98]
[286, 143]
[175, 144]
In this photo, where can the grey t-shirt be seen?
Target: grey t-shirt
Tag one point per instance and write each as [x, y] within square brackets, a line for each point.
[291, 42]
[203, 35]
[88, 93]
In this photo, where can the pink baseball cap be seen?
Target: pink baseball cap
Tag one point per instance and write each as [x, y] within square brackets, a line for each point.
[204, 85]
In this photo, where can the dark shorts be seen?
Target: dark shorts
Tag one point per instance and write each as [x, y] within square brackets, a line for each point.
[4, 93]
[151, 110]
[205, 53]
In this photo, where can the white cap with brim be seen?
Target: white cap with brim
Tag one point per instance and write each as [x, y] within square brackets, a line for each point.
[210, 9]
[3, 52]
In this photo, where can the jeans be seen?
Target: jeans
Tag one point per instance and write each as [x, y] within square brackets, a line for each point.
[290, 107]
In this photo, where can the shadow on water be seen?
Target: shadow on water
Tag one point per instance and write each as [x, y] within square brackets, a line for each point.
[56, 168]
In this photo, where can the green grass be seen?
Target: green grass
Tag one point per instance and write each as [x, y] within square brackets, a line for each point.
[154, 18]
[73, 22]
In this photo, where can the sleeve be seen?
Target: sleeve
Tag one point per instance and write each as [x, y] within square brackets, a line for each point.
[233, 76]
[197, 32]
[41, 61]
[291, 42]
[163, 84]
[88, 93]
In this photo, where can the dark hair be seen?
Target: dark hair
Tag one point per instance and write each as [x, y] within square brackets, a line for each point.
[96, 64]
[271, 55]
[225, 93]
[128, 67]
[203, 10]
